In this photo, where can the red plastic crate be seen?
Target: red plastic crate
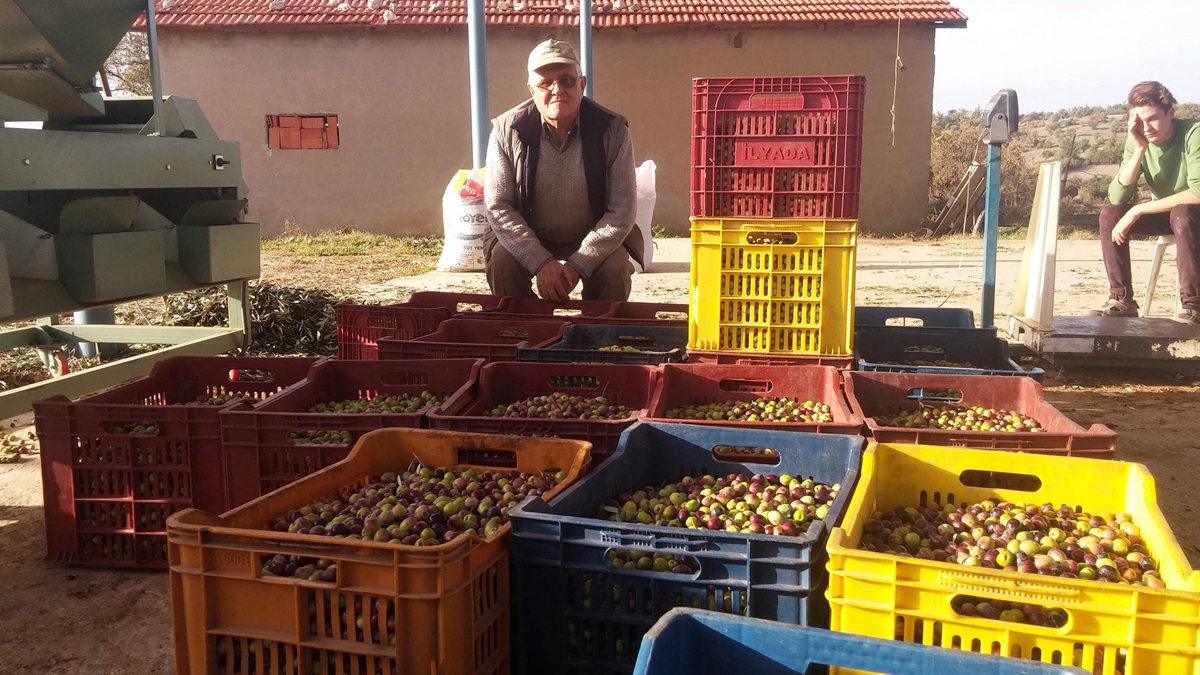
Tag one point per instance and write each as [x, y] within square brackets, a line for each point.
[467, 338]
[877, 393]
[260, 451]
[777, 147]
[687, 384]
[360, 327]
[768, 359]
[108, 492]
[421, 609]
[507, 381]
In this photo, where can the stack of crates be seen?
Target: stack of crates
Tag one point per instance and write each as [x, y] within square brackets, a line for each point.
[775, 183]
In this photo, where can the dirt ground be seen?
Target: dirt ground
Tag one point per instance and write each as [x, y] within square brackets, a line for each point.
[67, 621]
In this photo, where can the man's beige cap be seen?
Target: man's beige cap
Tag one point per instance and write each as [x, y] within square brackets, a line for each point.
[551, 52]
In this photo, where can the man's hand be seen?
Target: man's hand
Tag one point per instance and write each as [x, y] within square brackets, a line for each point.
[555, 281]
[1120, 233]
[1137, 132]
[570, 279]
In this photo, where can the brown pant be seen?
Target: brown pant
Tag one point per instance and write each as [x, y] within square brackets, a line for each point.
[612, 280]
[1182, 221]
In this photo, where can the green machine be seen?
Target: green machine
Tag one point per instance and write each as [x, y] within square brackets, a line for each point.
[112, 200]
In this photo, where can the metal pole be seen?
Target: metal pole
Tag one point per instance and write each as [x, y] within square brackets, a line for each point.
[585, 43]
[101, 315]
[160, 128]
[991, 234]
[477, 40]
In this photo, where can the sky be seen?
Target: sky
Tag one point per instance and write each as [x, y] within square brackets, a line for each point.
[1060, 54]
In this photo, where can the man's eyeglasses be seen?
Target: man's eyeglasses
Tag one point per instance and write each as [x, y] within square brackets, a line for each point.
[563, 82]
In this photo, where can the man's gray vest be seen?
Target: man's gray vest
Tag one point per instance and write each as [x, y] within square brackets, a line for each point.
[593, 122]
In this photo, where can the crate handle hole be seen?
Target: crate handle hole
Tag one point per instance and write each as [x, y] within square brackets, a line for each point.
[404, 378]
[920, 350]
[574, 382]
[745, 454]
[935, 394]
[1009, 611]
[512, 333]
[251, 375]
[910, 321]
[488, 457]
[627, 560]
[468, 307]
[747, 386]
[670, 316]
[567, 311]
[1000, 480]
[134, 428]
[773, 238]
[320, 437]
[994, 444]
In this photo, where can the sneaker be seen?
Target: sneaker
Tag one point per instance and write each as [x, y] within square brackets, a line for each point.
[1116, 307]
[1188, 315]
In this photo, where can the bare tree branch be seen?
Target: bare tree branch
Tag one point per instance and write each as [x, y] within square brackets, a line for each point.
[129, 65]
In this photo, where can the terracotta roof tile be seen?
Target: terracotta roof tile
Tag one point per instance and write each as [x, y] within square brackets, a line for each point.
[199, 14]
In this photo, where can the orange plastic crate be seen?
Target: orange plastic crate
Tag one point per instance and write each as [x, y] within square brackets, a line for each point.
[450, 603]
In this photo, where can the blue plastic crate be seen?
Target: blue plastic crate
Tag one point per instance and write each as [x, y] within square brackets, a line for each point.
[913, 317]
[708, 643]
[582, 343]
[895, 349]
[576, 614]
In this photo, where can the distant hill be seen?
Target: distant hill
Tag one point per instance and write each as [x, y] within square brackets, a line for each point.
[1088, 140]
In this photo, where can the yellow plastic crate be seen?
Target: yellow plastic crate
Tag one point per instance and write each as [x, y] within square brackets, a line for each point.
[773, 286]
[886, 596]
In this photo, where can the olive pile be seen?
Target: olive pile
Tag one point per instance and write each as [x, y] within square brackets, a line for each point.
[12, 447]
[960, 418]
[563, 406]
[775, 505]
[404, 403]
[781, 409]
[1032, 539]
[424, 507]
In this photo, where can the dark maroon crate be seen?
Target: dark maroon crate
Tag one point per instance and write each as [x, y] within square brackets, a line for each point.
[360, 327]
[107, 491]
[699, 384]
[874, 394]
[505, 382]
[260, 451]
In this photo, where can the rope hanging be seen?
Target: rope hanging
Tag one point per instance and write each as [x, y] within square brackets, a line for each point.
[897, 68]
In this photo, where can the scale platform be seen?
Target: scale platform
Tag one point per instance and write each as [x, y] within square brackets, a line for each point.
[1110, 341]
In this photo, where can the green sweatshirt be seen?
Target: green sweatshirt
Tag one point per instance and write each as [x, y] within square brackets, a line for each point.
[1168, 169]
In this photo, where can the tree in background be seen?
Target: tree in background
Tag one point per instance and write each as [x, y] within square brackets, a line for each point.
[128, 67]
[957, 141]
